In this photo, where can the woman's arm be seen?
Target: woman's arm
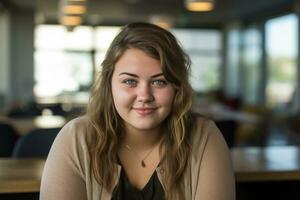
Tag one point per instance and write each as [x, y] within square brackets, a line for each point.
[62, 176]
[216, 177]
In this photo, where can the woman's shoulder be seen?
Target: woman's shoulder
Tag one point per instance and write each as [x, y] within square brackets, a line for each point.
[69, 155]
[211, 167]
[78, 122]
[74, 131]
[203, 129]
[76, 125]
[202, 126]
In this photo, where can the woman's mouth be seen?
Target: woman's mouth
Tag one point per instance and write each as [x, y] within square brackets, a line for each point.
[144, 111]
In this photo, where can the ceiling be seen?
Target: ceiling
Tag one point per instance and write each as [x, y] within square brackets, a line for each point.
[118, 12]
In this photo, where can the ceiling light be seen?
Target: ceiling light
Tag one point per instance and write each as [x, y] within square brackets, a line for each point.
[74, 9]
[71, 20]
[199, 5]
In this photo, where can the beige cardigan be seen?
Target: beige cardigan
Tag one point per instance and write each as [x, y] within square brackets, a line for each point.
[66, 176]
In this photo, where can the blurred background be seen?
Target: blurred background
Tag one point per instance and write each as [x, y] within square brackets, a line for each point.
[244, 58]
[245, 74]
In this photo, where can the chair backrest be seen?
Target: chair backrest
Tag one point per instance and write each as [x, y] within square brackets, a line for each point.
[24, 111]
[8, 138]
[228, 129]
[37, 143]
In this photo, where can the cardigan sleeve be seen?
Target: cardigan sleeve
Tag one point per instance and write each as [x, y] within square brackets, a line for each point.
[63, 175]
[215, 176]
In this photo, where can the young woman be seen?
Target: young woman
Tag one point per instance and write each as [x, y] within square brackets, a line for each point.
[139, 139]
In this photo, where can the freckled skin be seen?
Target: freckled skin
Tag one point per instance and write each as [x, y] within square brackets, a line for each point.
[142, 96]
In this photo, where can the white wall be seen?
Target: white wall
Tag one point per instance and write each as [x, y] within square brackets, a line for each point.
[21, 55]
[16, 56]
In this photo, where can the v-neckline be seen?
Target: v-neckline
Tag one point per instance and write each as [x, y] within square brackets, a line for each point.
[126, 179]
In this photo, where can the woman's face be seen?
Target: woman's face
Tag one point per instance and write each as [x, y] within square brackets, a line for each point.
[142, 96]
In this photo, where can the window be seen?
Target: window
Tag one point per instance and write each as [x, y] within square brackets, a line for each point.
[63, 60]
[232, 85]
[281, 47]
[251, 58]
[104, 36]
[204, 49]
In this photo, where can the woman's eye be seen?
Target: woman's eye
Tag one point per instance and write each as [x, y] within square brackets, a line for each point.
[130, 82]
[159, 83]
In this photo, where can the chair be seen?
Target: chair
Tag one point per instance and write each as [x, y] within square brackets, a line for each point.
[8, 138]
[24, 111]
[36, 143]
[228, 129]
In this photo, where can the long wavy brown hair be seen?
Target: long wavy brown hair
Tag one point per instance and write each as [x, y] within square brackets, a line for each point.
[107, 126]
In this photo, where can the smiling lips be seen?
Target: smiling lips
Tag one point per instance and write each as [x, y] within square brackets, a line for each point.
[144, 111]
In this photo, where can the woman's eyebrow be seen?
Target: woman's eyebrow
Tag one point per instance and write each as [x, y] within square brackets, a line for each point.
[129, 74]
[134, 75]
[156, 75]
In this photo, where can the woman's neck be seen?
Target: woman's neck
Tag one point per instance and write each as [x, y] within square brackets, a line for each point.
[142, 139]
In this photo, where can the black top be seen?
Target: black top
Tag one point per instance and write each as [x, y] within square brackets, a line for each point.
[153, 190]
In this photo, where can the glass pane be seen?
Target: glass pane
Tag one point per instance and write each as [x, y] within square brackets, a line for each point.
[104, 36]
[204, 74]
[281, 46]
[207, 40]
[58, 71]
[232, 64]
[99, 57]
[203, 47]
[57, 37]
[252, 55]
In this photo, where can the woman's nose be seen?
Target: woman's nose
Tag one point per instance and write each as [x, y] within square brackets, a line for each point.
[145, 93]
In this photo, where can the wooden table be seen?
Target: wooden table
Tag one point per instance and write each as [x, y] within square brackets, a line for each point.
[20, 175]
[250, 164]
[280, 163]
